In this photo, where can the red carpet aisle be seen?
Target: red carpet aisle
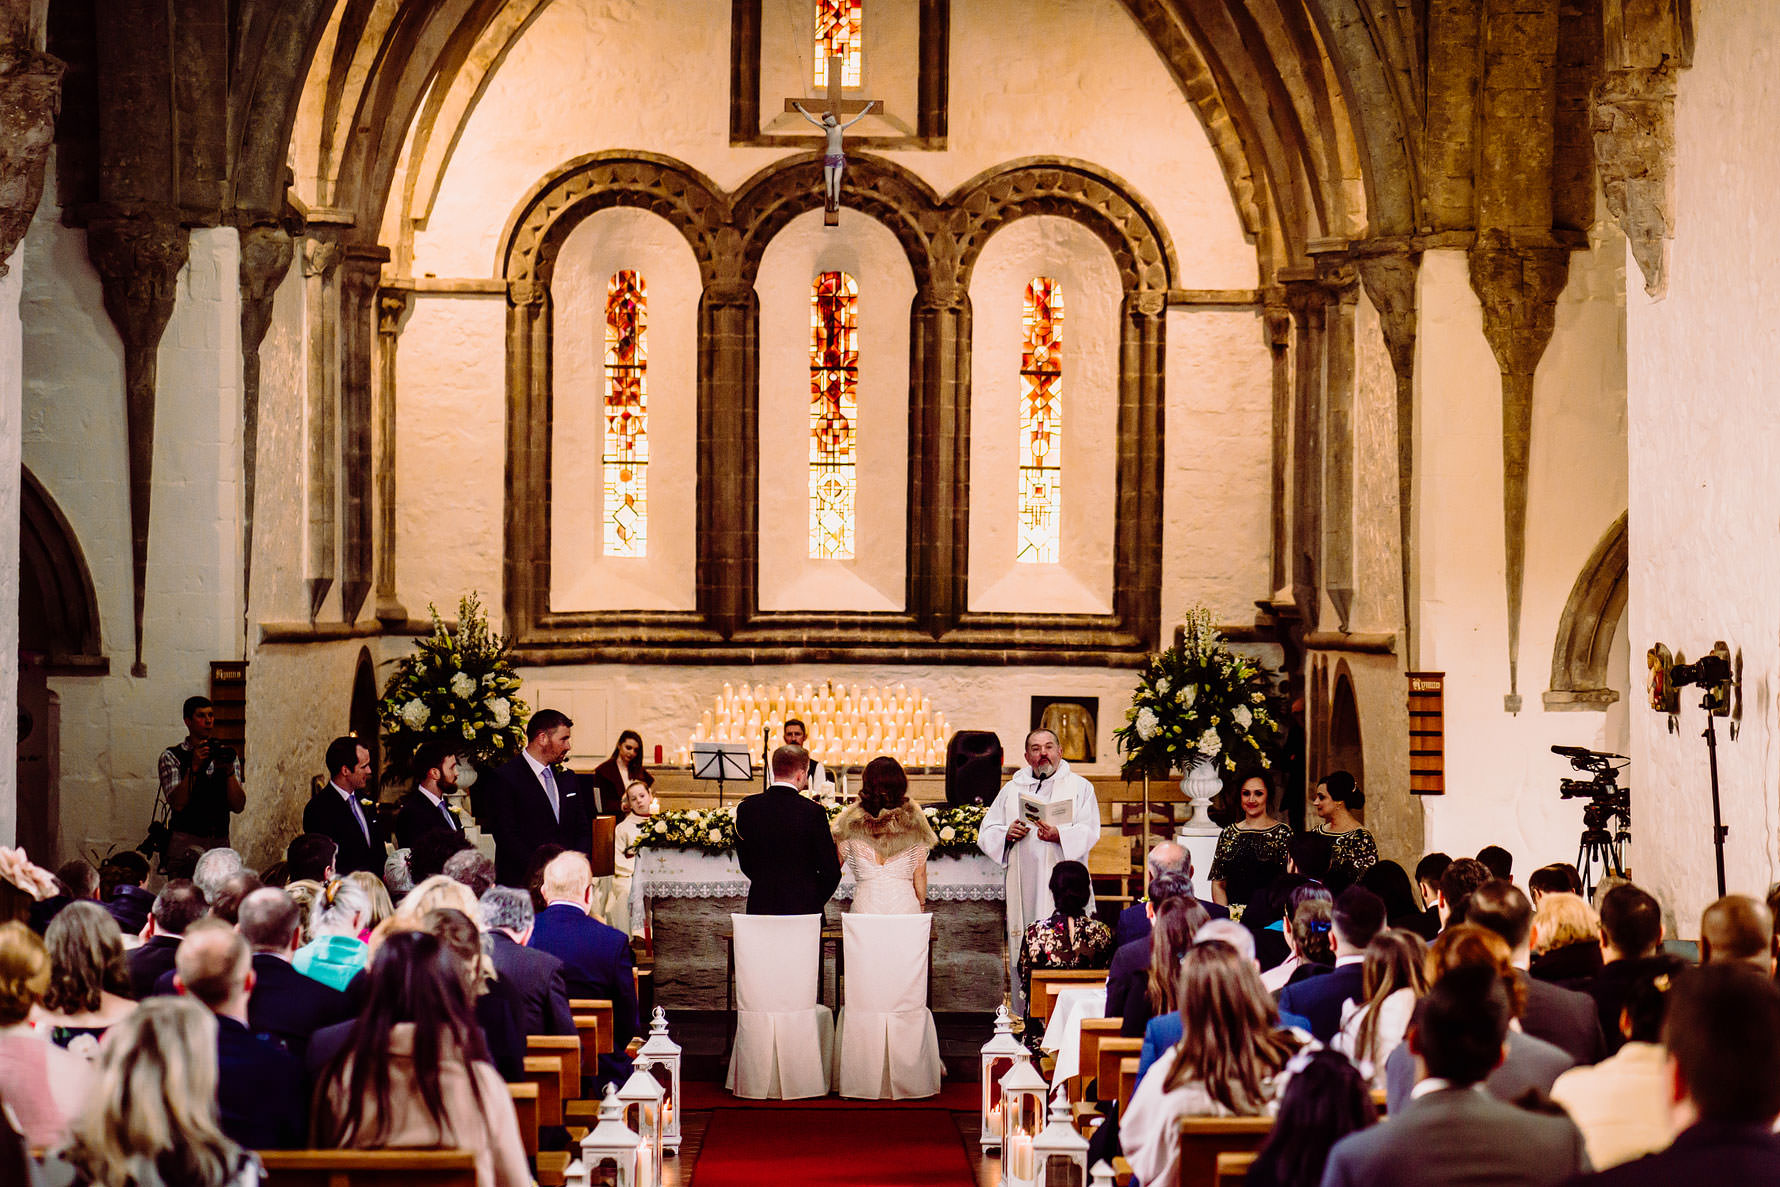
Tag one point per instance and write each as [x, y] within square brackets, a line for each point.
[853, 1144]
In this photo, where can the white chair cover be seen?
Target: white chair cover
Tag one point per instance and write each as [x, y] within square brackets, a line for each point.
[784, 1038]
[887, 1046]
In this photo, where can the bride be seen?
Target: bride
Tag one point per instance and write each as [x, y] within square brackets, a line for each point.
[884, 840]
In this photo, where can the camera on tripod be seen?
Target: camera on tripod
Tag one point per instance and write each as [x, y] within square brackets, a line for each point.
[1606, 800]
[1711, 668]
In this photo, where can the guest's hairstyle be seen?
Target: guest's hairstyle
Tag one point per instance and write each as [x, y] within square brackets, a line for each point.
[1326, 1100]
[534, 873]
[24, 972]
[343, 754]
[1736, 927]
[432, 849]
[1230, 1041]
[463, 939]
[506, 909]
[381, 905]
[1467, 945]
[472, 868]
[155, 1102]
[568, 877]
[1632, 920]
[268, 919]
[1169, 886]
[80, 878]
[178, 906]
[1724, 1034]
[545, 720]
[1395, 959]
[1273, 903]
[1312, 923]
[341, 909]
[226, 905]
[430, 756]
[1358, 915]
[1563, 919]
[1310, 854]
[86, 956]
[635, 769]
[442, 893]
[1343, 790]
[128, 868]
[1227, 931]
[1158, 861]
[309, 857]
[276, 875]
[1390, 883]
[1070, 888]
[212, 962]
[1177, 922]
[193, 704]
[885, 785]
[398, 878]
[395, 925]
[215, 867]
[1560, 877]
[305, 893]
[412, 978]
[1646, 1004]
[1461, 877]
[789, 760]
[1460, 1024]
[1497, 860]
[1431, 867]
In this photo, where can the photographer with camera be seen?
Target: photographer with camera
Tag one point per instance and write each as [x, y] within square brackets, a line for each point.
[201, 781]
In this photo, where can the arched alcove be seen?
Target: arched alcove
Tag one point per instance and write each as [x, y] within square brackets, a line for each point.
[58, 610]
[1580, 657]
[1346, 749]
[362, 717]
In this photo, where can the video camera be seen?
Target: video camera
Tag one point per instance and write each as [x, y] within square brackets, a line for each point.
[1606, 797]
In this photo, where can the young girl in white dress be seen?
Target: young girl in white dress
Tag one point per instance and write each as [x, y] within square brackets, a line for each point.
[639, 805]
[883, 840]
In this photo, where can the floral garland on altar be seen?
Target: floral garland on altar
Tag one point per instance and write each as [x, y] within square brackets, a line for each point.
[1199, 702]
[456, 688]
[712, 830]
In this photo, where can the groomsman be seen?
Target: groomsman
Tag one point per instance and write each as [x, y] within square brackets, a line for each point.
[425, 809]
[336, 810]
[529, 802]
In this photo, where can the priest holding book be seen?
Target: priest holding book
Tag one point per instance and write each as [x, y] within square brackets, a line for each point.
[1046, 814]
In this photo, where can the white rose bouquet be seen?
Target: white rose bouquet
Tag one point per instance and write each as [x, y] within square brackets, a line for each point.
[458, 687]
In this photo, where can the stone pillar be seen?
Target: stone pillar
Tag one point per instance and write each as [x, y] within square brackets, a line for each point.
[360, 271]
[1306, 301]
[1279, 342]
[391, 306]
[266, 253]
[728, 453]
[1390, 282]
[321, 260]
[939, 456]
[1339, 283]
[1142, 349]
[528, 454]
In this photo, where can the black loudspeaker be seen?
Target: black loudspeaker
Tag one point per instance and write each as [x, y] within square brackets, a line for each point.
[973, 767]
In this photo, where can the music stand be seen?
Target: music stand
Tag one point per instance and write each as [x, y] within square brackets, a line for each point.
[722, 761]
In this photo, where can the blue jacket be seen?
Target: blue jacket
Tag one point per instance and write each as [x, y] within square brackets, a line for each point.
[332, 960]
[1163, 1032]
[262, 1097]
[1320, 998]
[596, 963]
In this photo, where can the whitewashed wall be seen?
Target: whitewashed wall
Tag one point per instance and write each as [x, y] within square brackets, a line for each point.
[11, 409]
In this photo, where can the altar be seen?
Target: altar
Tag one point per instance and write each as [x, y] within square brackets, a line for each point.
[685, 899]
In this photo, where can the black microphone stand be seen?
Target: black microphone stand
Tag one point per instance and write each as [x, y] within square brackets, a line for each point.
[1719, 829]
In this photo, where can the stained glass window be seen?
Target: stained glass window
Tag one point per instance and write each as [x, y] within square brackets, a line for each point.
[626, 456]
[1041, 423]
[837, 35]
[834, 411]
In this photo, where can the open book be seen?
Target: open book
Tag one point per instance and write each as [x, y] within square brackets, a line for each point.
[1055, 813]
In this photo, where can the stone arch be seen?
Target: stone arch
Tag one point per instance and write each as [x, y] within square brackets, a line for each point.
[1586, 628]
[872, 185]
[361, 716]
[58, 609]
[1345, 748]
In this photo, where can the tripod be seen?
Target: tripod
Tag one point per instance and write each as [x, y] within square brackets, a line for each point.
[1603, 848]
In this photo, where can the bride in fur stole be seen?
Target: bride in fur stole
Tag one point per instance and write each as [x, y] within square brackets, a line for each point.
[884, 840]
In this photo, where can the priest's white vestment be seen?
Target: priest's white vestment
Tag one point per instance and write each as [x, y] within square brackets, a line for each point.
[1030, 859]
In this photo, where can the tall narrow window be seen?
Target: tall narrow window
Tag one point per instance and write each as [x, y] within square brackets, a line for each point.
[1041, 424]
[837, 35]
[834, 410]
[626, 456]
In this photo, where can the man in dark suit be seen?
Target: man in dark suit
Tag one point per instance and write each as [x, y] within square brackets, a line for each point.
[284, 1005]
[1358, 917]
[261, 1097]
[177, 907]
[1449, 1132]
[1166, 857]
[535, 974]
[1632, 949]
[425, 808]
[596, 959]
[528, 801]
[1723, 1034]
[336, 810]
[1128, 978]
[1562, 1017]
[783, 842]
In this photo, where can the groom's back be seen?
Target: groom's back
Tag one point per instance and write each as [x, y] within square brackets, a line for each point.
[784, 848]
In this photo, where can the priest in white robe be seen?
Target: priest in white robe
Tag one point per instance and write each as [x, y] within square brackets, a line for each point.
[1029, 850]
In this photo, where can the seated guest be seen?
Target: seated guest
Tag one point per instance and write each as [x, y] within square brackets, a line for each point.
[1326, 1100]
[432, 850]
[1310, 943]
[1141, 981]
[305, 894]
[1457, 883]
[375, 894]
[1560, 877]
[534, 874]
[1358, 917]
[89, 984]
[473, 868]
[215, 866]
[1069, 938]
[1498, 861]
[1449, 1133]
[1164, 1030]
[335, 953]
[261, 1097]
[1631, 948]
[507, 914]
[426, 808]
[1622, 1104]
[1396, 976]
[120, 888]
[1723, 1034]
[414, 1073]
[440, 892]
[277, 874]
[310, 858]
[45, 1087]
[1738, 928]
[1428, 872]
[1269, 916]
[284, 1005]
[76, 881]
[1560, 1016]
[1390, 883]
[1230, 1061]
[176, 907]
[499, 1010]
[1529, 1063]
[153, 1119]
[1308, 854]
[1566, 940]
[1166, 857]
[398, 876]
[226, 905]
[596, 959]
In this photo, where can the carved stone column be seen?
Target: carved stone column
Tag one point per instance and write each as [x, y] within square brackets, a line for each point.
[1137, 570]
[728, 453]
[30, 94]
[1279, 342]
[266, 253]
[391, 306]
[939, 457]
[1390, 282]
[1337, 277]
[360, 272]
[138, 256]
[528, 455]
[1306, 301]
[321, 259]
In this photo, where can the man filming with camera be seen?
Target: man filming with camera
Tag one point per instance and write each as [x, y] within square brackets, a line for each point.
[201, 779]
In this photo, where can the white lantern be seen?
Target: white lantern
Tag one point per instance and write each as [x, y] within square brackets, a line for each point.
[610, 1142]
[999, 1056]
[661, 1057]
[1023, 1093]
[1060, 1152]
[641, 1098]
[1102, 1175]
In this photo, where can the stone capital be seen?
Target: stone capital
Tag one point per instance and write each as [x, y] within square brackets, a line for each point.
[321, 257]
[1147, 303]
[525, 291]
[30, 93]
[391, 305]
[721, 293]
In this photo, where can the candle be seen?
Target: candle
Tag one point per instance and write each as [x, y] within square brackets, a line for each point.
[644, 1165]
[1019, 1158]
[995, 1120]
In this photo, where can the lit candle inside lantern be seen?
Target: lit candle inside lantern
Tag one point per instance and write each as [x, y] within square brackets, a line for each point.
[1019, 1157]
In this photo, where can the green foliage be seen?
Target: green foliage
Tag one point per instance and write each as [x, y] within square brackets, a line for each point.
[457, 688]
[712, 830]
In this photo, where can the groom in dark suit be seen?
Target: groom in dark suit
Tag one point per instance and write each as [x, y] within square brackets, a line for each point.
[530, 802]
[783, 842]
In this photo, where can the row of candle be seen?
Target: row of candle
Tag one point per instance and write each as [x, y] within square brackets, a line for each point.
[843, 724]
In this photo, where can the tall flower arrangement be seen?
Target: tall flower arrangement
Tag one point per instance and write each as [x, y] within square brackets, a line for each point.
[1199, 702]
[457, 688]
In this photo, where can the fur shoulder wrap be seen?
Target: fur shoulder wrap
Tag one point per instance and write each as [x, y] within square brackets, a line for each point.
[902, 827]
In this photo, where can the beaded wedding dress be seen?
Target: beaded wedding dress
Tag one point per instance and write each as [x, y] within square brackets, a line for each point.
[884, 887]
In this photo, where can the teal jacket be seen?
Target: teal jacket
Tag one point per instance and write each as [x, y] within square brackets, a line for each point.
[332, 960]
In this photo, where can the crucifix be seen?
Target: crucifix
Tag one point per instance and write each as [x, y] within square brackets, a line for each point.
[833, 159]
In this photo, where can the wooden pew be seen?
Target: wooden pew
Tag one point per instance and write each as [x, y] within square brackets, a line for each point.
[1233, 1169]
[1114, 1050]
[369, 1168]
[1128, 1079]
[546, 1072]
[1093, 1031]
[600, 1010]
[1202, 1139]
[568, 1049]
[1039, 982]
[525, 1103]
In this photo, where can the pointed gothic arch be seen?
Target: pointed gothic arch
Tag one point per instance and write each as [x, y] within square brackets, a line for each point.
[1585, 631]
[58, 609]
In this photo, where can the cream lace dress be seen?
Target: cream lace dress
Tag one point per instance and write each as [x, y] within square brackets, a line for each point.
[884, 887]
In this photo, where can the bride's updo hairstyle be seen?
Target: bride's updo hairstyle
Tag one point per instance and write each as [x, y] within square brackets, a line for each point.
[884, 786]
